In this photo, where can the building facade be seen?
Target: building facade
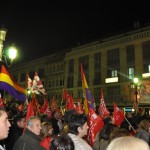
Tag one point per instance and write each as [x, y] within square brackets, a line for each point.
[110, 63]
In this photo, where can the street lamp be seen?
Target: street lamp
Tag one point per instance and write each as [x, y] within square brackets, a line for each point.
[12, 50]
[135, 86]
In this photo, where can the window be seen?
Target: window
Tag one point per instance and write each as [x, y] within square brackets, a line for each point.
[114, 73]
[23, 77]
[97, 69]
[113, 57]
[146, 68]
[70, 82]
[113, 63]
[80, 94]
[130, 53]
[97, 78]
[97, 61]
[71, 66]
[131, 73]
[41, 72]
[85, 64]
[113, 94]
[97, 96]
[31, 74]
[146, 50]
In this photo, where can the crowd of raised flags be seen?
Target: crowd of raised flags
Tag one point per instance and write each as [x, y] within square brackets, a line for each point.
[95, 120]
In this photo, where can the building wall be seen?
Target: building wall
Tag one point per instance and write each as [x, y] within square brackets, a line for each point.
[69, 72]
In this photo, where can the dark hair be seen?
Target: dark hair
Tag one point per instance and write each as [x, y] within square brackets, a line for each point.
[44, 118]
[107, 120]
[62, 142]
[68, 114]
[18, 118]
[76, 120]
[119, 133]
[106, 131]
[2, 109]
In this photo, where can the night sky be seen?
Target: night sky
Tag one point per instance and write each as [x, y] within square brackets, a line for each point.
[38, 29]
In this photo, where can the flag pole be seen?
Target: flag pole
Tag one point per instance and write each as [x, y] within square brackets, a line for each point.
[130, 124]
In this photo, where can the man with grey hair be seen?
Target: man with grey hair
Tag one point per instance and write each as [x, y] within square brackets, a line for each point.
[30, 138]
[4, 125]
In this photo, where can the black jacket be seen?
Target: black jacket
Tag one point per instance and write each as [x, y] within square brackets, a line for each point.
[28, 141]
[142, 134]
[14, 134]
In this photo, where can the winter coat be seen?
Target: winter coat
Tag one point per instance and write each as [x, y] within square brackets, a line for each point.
[79, 143]
[142, 134]
[28, 141]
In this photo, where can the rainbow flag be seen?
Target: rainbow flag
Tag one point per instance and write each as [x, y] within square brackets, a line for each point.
[8, 84]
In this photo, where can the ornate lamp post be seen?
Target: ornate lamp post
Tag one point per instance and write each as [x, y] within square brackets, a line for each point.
[135, 86]
[12, 51]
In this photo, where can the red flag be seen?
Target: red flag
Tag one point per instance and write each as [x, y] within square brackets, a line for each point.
[79, 107]
[118, 116]
[69, 103]
[35, 104]
[103, 111]
[45, 109]
[1, 102]
[30, 111]
[64, 94]
[95, 124]
[37, 85]
[54, 106]
[69, 100]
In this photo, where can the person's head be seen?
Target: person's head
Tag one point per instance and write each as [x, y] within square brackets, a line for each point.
[128, 143]
[57, 115]
[19, 120]
[62, 142]
[107, 130]
[108, 119]
[44, 118]
[46, 129]
[128, 115]
[145, 125]
[78, 125]
[119, 133]
[4, 124]
[68, 114]
[34, 125]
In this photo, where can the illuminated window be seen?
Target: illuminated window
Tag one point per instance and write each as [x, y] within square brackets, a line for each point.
[131, 73]
[114, 73]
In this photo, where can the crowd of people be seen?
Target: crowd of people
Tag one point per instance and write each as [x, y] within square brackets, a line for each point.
[69, 132]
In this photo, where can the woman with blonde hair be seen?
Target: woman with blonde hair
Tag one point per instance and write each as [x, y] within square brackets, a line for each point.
[128, 143]
[46, 134]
